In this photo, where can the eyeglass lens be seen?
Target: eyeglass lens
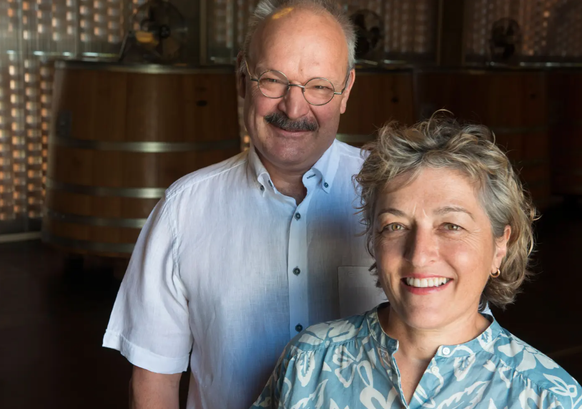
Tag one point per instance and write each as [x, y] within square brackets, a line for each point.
[274, 84]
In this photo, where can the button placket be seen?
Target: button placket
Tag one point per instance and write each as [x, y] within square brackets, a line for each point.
[297, 269]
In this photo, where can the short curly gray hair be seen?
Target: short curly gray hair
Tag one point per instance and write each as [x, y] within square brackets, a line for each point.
[265, 8]
[441, 142]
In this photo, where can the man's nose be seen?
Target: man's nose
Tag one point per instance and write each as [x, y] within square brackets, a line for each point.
[293, 104]
[421, 247]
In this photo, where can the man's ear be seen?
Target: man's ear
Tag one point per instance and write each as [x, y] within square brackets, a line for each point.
[346, 95]
[241, 75]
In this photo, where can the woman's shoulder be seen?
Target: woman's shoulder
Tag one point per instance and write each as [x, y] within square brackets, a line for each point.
[331, 333]
[534, 367]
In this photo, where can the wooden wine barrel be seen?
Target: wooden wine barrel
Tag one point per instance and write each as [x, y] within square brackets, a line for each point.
[512, 103]
[565, 107]
[378, 96]
[120, 136]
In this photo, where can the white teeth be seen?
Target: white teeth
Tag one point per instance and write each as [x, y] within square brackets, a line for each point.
[423, 282]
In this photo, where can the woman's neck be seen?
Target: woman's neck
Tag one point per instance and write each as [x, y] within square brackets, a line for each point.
[422, 343]
[417, 346]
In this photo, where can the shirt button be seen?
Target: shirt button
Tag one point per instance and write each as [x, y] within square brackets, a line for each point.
[435, 370]
[325, 184]
[297, 216]
[446, 351]
[298, 327]
[296, 271]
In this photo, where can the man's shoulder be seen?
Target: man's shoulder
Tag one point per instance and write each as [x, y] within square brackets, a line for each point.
[350, 152]
[209, 175]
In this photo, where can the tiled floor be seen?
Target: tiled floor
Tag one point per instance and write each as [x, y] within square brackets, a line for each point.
[52, 322]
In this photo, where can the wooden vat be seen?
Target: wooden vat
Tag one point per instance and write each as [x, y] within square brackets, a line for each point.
[565, 107]
[120, 136]
[377, 97]
[512, 103]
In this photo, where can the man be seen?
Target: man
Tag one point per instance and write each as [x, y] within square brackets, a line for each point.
[239, 257]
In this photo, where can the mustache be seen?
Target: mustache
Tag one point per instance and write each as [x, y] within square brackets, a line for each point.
[282, 121]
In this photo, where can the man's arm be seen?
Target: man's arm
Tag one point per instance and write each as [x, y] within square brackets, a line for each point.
[150, 390]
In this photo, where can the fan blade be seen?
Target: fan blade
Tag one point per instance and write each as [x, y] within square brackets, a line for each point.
[170, 47]
[146, 38]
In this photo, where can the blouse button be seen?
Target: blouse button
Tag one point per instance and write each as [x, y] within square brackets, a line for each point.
[446, 351]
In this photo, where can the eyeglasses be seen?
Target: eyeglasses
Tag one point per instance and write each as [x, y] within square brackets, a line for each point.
[317, 91]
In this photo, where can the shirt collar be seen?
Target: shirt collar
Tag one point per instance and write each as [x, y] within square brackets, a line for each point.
[257, 168]
[484, 342]
[325, 168]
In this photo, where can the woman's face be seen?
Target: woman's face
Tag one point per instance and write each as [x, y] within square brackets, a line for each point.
[434, 247]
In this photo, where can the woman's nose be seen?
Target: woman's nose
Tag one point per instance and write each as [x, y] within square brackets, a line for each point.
[422, 247]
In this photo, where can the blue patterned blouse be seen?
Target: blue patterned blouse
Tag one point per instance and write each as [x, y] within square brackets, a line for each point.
[349, 364]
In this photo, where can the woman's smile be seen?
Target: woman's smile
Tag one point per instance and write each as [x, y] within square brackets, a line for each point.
[422, 286]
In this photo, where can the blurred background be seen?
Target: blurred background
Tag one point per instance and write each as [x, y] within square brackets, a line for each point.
[104, 103]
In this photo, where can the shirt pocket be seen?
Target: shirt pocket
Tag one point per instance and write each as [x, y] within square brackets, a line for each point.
[357, 290]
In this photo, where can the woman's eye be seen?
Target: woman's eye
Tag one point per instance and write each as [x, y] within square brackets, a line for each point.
[452, 227]
[392, 227]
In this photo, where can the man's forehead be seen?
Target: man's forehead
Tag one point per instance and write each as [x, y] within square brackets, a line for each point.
[293, 38]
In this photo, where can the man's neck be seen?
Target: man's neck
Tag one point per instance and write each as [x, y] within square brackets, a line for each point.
[288, 183]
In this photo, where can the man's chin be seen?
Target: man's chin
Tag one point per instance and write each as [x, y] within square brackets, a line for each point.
[285, 156]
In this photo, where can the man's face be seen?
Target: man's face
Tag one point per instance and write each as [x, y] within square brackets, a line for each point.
[289, 134]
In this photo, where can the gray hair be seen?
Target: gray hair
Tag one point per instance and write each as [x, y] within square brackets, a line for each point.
[443, 143]
[265, 8]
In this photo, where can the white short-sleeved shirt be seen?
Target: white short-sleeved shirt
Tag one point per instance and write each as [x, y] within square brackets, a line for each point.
[227, 270]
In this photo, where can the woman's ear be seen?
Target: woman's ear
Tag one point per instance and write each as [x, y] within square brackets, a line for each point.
[501, 248]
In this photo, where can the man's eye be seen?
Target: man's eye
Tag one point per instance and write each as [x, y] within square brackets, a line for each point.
[271, 81]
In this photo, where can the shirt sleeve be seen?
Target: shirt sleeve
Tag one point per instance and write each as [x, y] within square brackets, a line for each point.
[149, 323]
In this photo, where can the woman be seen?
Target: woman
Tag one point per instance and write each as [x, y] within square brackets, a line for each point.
[450, 230]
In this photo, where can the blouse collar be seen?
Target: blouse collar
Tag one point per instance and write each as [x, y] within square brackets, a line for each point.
[484, 342]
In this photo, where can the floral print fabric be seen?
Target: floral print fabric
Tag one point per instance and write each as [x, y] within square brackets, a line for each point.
[348, 364]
